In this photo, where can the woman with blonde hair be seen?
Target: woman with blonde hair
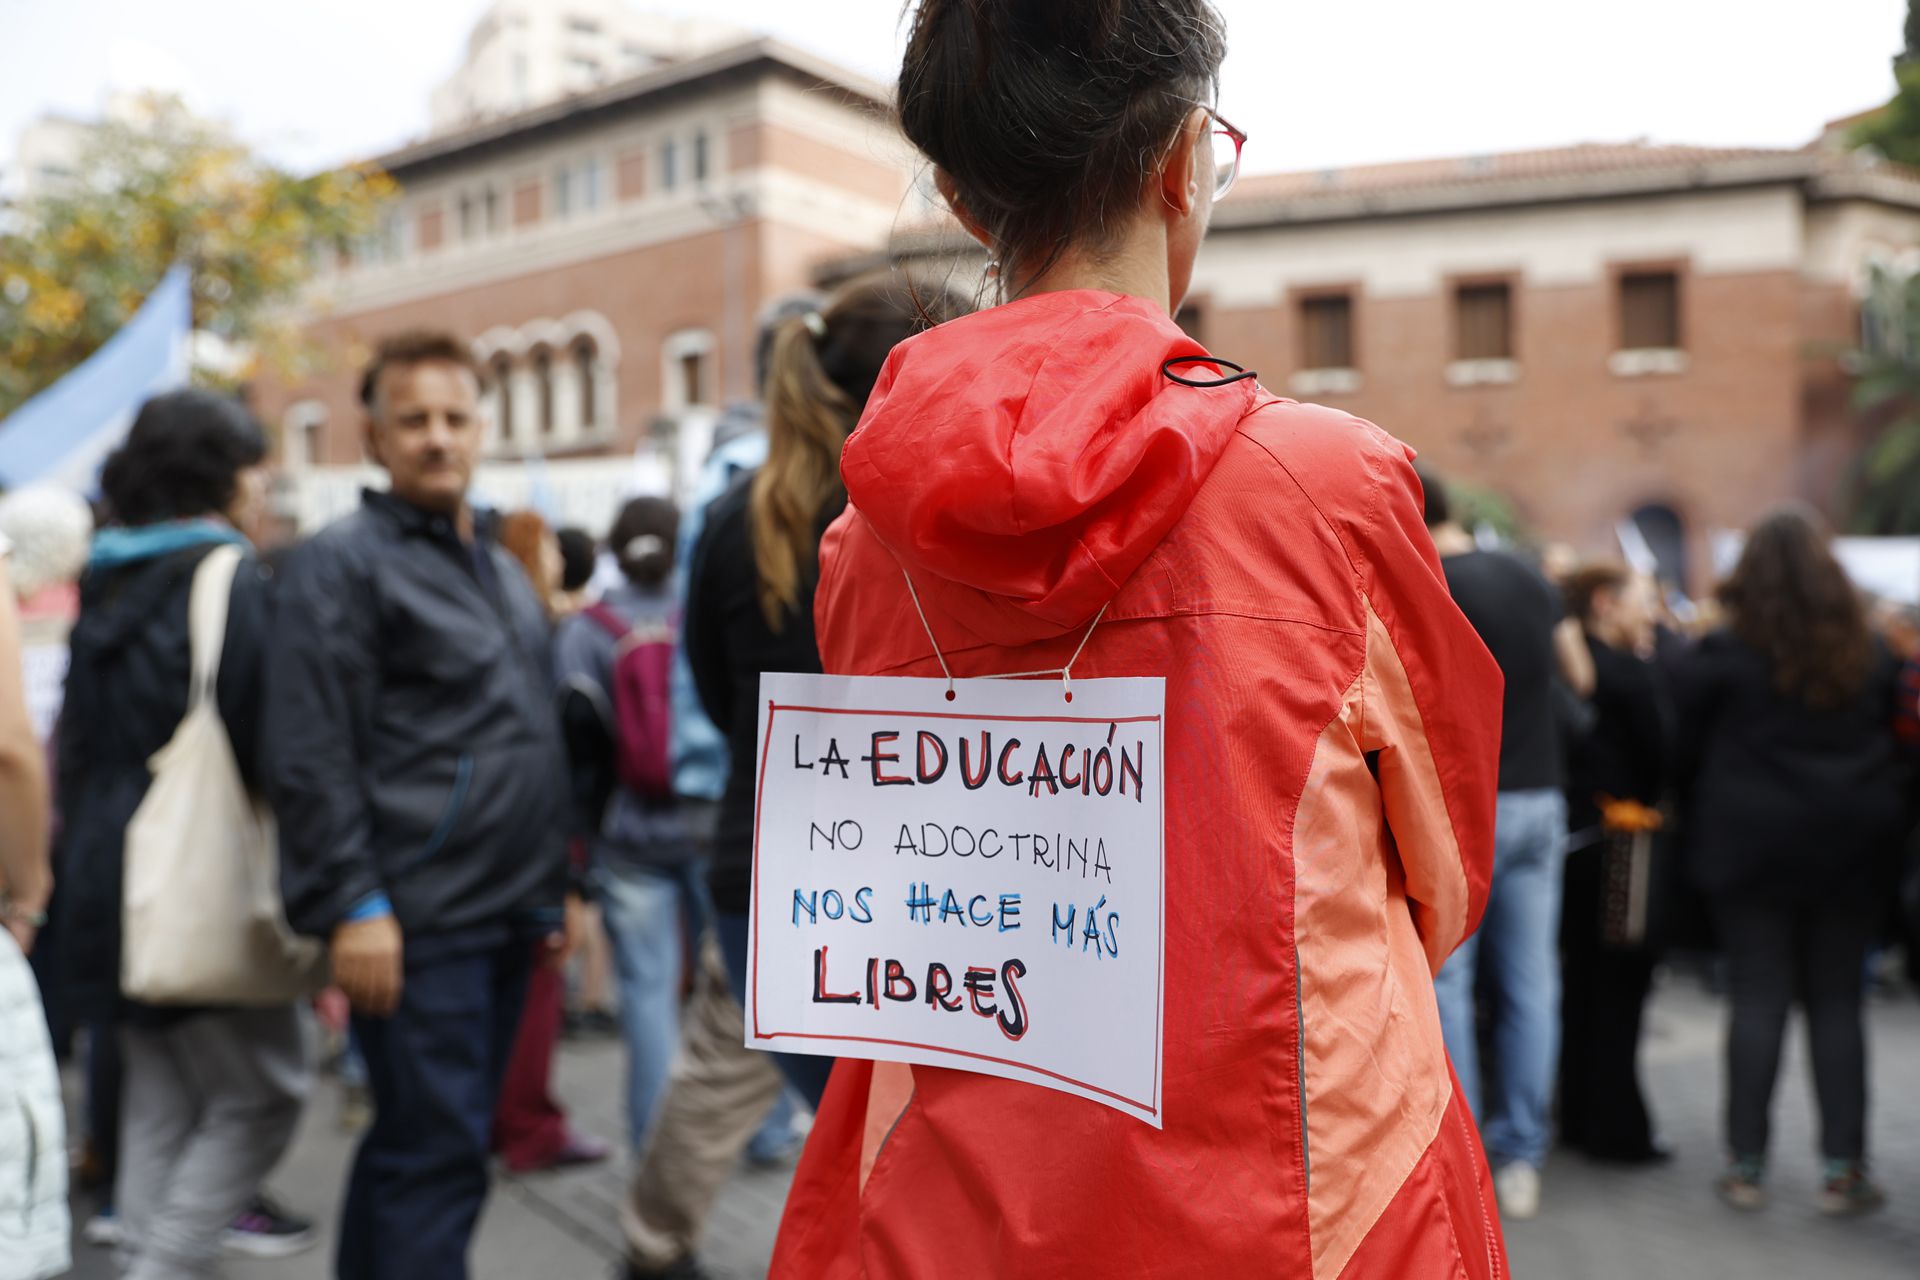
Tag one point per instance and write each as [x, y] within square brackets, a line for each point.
[750, 598]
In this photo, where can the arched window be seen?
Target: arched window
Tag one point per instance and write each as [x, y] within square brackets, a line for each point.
[586, 364]
[502, 370]
[543, 384]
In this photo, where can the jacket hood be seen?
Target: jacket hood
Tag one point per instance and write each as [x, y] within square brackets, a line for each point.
[1034, 454]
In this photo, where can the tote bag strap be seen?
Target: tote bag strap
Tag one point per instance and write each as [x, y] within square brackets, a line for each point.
[207, 616]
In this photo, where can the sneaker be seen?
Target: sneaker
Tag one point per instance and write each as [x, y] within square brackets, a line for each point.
[579, 1150]
[1849, 1192]
[1517, 1187]
[1743, 1186]
[103, 1230]
[265, 1230]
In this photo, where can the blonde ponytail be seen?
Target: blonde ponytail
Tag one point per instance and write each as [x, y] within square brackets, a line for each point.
[808, 420]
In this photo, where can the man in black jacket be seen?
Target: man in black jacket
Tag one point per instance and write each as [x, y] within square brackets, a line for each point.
[417, 772]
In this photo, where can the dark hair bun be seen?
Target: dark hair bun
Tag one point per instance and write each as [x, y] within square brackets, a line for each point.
[1047, 114]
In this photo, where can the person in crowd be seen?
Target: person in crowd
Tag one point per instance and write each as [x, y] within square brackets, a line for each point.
[531, 1132]
[530, 540]
[1521, 618]
[750, 610]
[210, 1096]
[1617, 779]
[416, 763]
[49, 530]
[1071, 472]
[700, 761]
[33, 1155]
[646, 868]
[579, 558]
[1794, 806]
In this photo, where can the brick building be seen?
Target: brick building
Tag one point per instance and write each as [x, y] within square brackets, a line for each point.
[609, 253]
[1593, 331]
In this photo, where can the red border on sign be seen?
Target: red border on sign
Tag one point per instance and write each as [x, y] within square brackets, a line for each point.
[753, 978]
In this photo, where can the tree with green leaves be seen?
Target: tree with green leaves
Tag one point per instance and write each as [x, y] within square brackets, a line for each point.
[166, 187]
[1886, 392]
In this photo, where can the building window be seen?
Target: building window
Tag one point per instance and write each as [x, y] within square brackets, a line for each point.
[688, 358]
[669, 164]
[584, 67]
[562, 192]
[583, 26]
[467, 224]
[1326, 332]
[1483, 322]
[491, 203]
[701, 159]
[586, 365]
[502, 368]
[1650, 311]
[1193, 321]
[303, 442]
[592, 183]
[693, 378]
[542, 362]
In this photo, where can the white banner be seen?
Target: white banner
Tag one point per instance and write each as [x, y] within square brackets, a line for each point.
[975, 883]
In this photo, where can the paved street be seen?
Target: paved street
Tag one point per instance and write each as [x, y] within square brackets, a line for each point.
[1598, 1223]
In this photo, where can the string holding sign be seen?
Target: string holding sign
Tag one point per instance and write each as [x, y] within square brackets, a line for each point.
[1064, 672]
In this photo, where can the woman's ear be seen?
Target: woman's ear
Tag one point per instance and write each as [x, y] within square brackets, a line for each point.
[1180, 179]
[943, 183]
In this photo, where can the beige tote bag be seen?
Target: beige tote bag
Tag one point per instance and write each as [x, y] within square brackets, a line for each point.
[202, 918]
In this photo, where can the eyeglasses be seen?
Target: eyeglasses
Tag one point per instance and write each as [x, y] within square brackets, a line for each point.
[1227, 143]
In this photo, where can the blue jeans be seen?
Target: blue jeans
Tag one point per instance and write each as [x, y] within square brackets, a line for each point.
[653, 916]
[435, 1066]
[1519, 941]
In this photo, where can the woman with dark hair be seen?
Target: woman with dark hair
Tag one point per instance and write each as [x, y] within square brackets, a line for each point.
[211, 1096]
[1793, 809]
[1070, 479]
[1617, 774]
[639, 842]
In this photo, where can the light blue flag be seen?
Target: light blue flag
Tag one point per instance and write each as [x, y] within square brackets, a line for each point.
[62, 435]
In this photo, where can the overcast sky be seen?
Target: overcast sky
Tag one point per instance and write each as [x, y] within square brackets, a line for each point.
[1317, 85]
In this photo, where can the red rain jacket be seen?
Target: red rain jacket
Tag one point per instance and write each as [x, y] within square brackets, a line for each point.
[1333, 730]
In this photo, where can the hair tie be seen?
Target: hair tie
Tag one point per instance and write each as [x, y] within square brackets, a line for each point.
[647, 544]
[816, 325]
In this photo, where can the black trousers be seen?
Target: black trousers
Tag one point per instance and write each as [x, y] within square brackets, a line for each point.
[1815, 951]
[435, 1067]
[1603, 996]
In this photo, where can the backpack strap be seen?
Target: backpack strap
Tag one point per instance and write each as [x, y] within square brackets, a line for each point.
[607, 620]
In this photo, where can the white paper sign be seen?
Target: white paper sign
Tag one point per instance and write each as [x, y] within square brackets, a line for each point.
[975, 883]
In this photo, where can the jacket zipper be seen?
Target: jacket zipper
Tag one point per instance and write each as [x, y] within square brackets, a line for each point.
[1300, 1064]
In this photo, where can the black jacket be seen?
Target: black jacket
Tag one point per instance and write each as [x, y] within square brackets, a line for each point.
[729, 645]
[1625, 752]
[126, 694]
[1783, 801]
[412, 743]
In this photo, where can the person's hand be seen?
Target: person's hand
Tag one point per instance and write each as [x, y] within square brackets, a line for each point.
[366, 964]
[572, 934]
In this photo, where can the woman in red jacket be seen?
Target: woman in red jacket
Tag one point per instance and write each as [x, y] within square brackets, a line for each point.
[1333, 721]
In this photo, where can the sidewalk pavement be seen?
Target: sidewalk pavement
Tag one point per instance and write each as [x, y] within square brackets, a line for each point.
[1596, 1223]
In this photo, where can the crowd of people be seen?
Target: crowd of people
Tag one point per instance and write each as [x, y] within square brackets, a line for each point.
[1451, 814]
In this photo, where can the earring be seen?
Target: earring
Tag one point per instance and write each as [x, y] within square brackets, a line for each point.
[993, 268]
